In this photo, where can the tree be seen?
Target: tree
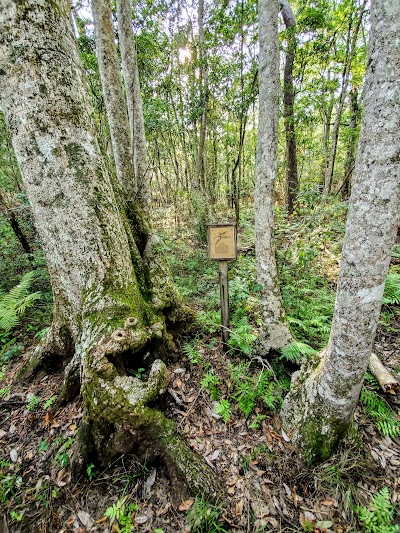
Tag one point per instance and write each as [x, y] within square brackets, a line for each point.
[292, 182]
[350, 52]
[134, 100]
[112, 296]
[318, 410]
[275, 332]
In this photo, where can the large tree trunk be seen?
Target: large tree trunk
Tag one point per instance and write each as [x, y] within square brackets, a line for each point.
[134, 100]
[111, 305]
[275, 332]
[319, 408]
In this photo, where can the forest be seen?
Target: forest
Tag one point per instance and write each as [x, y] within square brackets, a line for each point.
[199, 266]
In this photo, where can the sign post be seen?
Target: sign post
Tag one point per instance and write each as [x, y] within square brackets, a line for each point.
[222, 246]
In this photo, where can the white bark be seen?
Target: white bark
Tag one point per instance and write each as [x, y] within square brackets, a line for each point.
[134, 100]
[101, 318]
[117, 112]
[72, 198]
[275, 333]
[319, 408]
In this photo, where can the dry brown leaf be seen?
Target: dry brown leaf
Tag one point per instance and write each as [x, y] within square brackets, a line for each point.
[187, 504]
[48, 420]
[327, 502]
[101, 520]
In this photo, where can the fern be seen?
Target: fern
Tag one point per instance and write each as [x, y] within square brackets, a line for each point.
[396, 252]
[295, 352]
[257, 421]
[245, 397]
[379, 517]
[210, 381]
[382, 415]
[15, 303]
[391, 294]
[224, 409]
[242, 337]
[192, 353]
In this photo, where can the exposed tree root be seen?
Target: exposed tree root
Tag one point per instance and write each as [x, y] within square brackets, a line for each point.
[54, 350]
[119, 417]
[385, 379]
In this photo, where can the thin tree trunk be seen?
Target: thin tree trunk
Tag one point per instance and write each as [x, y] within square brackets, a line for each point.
[318, 411]
[12, 220]
[134, 100]
[292, 182]
[351, 48]
[116, 106]
[275, 332]
[199, 166]
[351, 149]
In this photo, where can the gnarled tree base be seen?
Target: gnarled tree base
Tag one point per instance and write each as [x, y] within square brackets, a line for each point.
[120, 417]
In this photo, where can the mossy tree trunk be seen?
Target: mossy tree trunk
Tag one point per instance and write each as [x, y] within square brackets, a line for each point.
[319, 408]
[113, 297]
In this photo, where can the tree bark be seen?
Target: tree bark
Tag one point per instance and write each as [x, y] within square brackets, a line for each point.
[116, 107]
[351, 149]
[382, 374]
[111, 305]
[275, 332]
[292, 181]
[318, 411]
[134, 100]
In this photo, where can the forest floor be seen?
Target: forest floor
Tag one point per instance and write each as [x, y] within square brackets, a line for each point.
[264, 485]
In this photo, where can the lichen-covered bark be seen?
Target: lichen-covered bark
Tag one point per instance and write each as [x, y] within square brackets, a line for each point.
[319, 409]
[275, 332]
[112, 299]
[134, 100]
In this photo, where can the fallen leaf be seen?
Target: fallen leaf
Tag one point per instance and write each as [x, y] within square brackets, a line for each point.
[309, 516]
[12, 429]
[102, 520]
[141, 519]
[48, 419]
[85, 518]
[187, 504]
[285, 437]
[324, 524]
[151, 479]
[327, 502]
[14, 455]
[2, 433]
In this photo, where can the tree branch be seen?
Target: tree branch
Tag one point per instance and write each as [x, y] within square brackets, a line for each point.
[287, 13]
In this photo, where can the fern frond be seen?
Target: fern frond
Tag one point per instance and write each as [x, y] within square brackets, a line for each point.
[295, 351]
[224, 409]
[384, 418]
[391, 294]
[15, 303]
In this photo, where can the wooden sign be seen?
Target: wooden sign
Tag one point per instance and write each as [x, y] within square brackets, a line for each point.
[222, 242]
[222, 246]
